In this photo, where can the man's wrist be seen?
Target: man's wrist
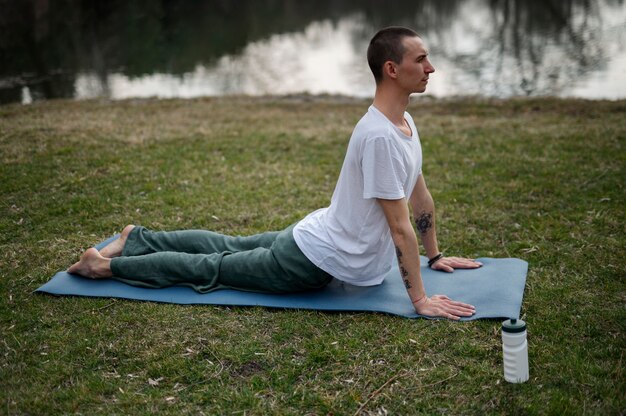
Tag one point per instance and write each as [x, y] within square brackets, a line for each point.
[434, 259]
[416, 301]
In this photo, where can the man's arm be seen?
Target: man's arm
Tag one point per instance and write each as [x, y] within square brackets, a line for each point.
[424, 214]
[407, 251]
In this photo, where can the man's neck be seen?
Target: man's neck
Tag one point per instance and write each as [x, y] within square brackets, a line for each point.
[392, 104]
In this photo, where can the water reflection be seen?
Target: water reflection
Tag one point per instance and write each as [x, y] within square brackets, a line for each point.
[176, 49]
[320, 59]
[546, 48]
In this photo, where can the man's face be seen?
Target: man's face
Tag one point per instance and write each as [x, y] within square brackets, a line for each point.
[415, 67]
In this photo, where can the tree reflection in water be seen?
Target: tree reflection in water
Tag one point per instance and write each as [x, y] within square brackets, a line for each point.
[54, 48]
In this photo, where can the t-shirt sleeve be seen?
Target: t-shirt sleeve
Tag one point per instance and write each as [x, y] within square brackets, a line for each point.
[383, 170]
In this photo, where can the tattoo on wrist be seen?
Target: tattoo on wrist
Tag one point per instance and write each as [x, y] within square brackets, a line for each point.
[403, 271]
[424, 222]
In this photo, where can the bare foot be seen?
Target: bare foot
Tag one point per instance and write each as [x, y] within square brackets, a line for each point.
[114, 248]
[92, 265]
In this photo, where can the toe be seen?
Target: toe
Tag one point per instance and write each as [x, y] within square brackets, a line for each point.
[73, 268]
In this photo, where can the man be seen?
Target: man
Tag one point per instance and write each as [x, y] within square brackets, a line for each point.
[352, 240]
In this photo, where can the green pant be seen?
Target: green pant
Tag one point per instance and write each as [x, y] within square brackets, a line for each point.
[269, 262]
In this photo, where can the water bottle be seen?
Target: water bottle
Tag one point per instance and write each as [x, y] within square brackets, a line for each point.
[515, 351]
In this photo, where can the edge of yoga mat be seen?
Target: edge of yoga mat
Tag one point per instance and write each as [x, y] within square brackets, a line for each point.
[496, 289]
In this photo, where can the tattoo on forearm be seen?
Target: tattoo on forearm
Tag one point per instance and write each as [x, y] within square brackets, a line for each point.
[403, 271]
[407, 284]
[424, 222]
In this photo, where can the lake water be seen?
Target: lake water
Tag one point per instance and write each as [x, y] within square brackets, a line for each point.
[175, 48]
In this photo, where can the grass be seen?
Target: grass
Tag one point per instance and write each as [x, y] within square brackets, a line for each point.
[538, 179]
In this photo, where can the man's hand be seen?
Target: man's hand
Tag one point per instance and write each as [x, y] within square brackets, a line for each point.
[443, 306]
[448, 264]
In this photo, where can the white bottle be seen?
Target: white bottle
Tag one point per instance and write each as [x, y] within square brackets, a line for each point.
[515, 351]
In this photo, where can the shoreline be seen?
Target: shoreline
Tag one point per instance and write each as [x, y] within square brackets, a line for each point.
[315, 98]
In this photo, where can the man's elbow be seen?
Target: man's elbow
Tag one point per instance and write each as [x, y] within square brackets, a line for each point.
[401, 231]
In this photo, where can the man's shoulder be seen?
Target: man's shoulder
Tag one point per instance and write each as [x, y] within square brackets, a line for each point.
[372, 125]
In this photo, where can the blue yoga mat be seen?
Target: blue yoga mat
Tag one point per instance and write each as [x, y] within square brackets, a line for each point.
[496, 290]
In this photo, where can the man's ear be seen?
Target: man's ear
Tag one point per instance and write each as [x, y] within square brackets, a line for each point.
[390, 69]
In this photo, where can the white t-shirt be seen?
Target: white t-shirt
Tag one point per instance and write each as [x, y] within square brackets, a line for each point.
[350, 239]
